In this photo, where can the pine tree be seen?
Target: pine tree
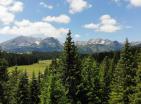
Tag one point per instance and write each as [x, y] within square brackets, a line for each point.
[40, 81]
[39, 77]
[129, 74]
[91, 81]
[12, 86]
[46, 88]
[23, 90]
[113, 64]
[124, 81]
[71, 69]
[58, 91]
[3, 82]
[117, 90]
[137, 99]
[53, 91]
[106, 81]
[34, 91]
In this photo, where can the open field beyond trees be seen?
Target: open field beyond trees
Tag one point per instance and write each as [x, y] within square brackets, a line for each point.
[36, 68]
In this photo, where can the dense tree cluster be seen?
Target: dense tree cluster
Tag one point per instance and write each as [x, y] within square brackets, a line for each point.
[27, 59]
[106, 78]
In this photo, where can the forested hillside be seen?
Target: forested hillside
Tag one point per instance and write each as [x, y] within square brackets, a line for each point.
[71, 78]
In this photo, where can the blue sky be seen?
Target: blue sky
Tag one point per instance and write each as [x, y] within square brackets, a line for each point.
[107, 19]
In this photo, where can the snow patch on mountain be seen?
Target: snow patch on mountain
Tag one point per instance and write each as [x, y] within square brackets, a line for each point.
[37, 42]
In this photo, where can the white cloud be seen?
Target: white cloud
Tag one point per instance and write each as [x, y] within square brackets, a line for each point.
[135, 3]
[107, 24]
[5, 16]
[17, 7]
[58, 19]
[77, 5]
[10, 26]
[91, 26]
[6, 2]
[28, 28]
[8, 8]
[46, 5]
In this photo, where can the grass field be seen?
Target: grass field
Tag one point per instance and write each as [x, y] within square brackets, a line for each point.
[40, 66]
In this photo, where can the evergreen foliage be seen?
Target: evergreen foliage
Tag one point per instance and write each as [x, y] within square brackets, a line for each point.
[46, 88]
[71, 69]
[106, 81]
[23, 95]
[58, 91]
[34, 91]
[137, 98]
[12, 86]
[3, 82]
[91, 81]
[124, 81]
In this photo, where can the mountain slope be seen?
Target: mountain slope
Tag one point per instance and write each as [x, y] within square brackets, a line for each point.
[24, 44]
[49, 45]
[20, 44]
[98, 45]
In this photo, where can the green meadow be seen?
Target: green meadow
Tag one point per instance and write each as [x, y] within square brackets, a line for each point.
[40, 66]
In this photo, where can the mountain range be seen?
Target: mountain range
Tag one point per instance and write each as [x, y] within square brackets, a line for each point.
[23, 44]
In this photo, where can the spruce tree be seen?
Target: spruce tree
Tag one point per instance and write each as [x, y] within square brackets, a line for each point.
[113, 64]
[23, 90]
[39, 77]
[106, 81]
[3, 82]
[137, 98]
[13, 85]
[124, 81]
[53, 91]
[117, 90]
[40, 81]
[58, 91]
[129, 74]
[91, 81]
[71, 69]
[46, 87]
[34, 91]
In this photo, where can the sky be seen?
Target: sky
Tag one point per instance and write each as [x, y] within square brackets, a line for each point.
[87, 19]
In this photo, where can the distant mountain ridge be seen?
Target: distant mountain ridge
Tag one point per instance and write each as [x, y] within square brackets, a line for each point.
[98, 45]
[23, 44]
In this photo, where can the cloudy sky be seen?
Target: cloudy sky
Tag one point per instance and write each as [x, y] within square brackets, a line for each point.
[108, 19]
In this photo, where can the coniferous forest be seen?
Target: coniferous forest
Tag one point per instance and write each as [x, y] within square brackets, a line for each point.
[73, 78]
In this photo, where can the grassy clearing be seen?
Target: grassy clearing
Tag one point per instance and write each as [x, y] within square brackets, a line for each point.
[40, 66]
